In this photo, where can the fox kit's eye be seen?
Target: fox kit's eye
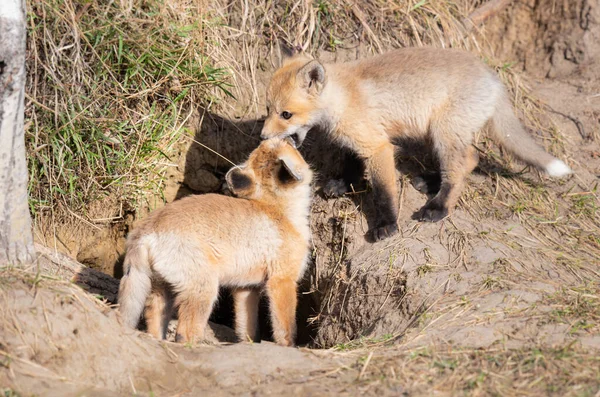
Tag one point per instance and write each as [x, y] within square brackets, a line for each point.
[286, 115]
[268, 110]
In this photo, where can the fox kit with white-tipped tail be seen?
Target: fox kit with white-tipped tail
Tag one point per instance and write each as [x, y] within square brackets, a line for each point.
[180, 255]
[440, 95]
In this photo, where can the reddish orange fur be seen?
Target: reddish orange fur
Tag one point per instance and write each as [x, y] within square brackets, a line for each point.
[201, 242]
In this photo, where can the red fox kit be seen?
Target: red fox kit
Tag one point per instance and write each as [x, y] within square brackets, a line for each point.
[439, 95]
[190, 247]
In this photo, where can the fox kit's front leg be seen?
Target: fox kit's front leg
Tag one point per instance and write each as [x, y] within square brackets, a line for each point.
[382, 173]
[352, 178]
[246, 302]
[282, 303]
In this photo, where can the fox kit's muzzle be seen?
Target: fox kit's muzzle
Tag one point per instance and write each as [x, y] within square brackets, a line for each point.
[292, 139]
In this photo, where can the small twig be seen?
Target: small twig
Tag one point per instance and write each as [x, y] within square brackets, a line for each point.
[206, 147]
[482, 13]
[132, 385]
[113, 218]
[35, 102]
[366, 364]
[81, 218]
[323, 375]
[210, 150]
[51, 374]
[169, 352]
[363, 20]
[46, 318]
[575, 120]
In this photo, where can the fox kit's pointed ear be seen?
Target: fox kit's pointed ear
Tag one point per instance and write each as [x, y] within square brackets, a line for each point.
[239, 182]
[312, 77]
[287, 52]
[288, 172]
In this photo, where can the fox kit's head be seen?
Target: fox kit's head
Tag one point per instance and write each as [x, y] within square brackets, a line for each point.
[275, 170]
[293, 97]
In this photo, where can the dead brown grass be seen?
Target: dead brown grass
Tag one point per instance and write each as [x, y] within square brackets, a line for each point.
[561, 371]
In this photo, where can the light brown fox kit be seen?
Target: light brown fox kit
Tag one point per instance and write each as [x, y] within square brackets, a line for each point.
[190, 247]
[443, 96]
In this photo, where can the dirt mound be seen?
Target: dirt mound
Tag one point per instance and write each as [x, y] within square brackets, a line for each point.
[59, 340]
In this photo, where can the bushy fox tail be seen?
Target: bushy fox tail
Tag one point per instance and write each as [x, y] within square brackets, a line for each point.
[135, 285]
[509, 132]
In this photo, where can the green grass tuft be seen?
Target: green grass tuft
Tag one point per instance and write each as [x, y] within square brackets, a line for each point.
[109, 90]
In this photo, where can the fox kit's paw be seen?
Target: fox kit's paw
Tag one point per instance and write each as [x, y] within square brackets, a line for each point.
[427, 184]
[285, 342]
[335, 188]
[431, 212]
[205, 340]
[383, 232]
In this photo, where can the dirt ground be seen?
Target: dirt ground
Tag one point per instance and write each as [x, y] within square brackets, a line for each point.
[501, 298]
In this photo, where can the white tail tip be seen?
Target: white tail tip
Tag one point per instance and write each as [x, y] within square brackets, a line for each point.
[558, 169]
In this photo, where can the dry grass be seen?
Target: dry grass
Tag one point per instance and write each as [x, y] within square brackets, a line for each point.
[578, 307]
[560, 371]
[110, 87]
[560, 219]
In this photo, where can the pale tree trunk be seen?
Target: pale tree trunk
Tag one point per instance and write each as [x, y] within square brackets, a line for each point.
[16, 240]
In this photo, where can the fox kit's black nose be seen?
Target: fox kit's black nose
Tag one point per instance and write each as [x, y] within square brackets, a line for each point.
[263, 136]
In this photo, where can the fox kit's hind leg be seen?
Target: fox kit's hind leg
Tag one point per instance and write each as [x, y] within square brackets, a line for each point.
[282, 303]
[382, 172]
[246, 313]
[195, 300]
[452, 137]
[159, 310]
[455, 167]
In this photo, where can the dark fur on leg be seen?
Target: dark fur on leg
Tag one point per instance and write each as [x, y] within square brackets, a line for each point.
[427, 183]
[436, 209]
[352, 178]
[386, 215]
